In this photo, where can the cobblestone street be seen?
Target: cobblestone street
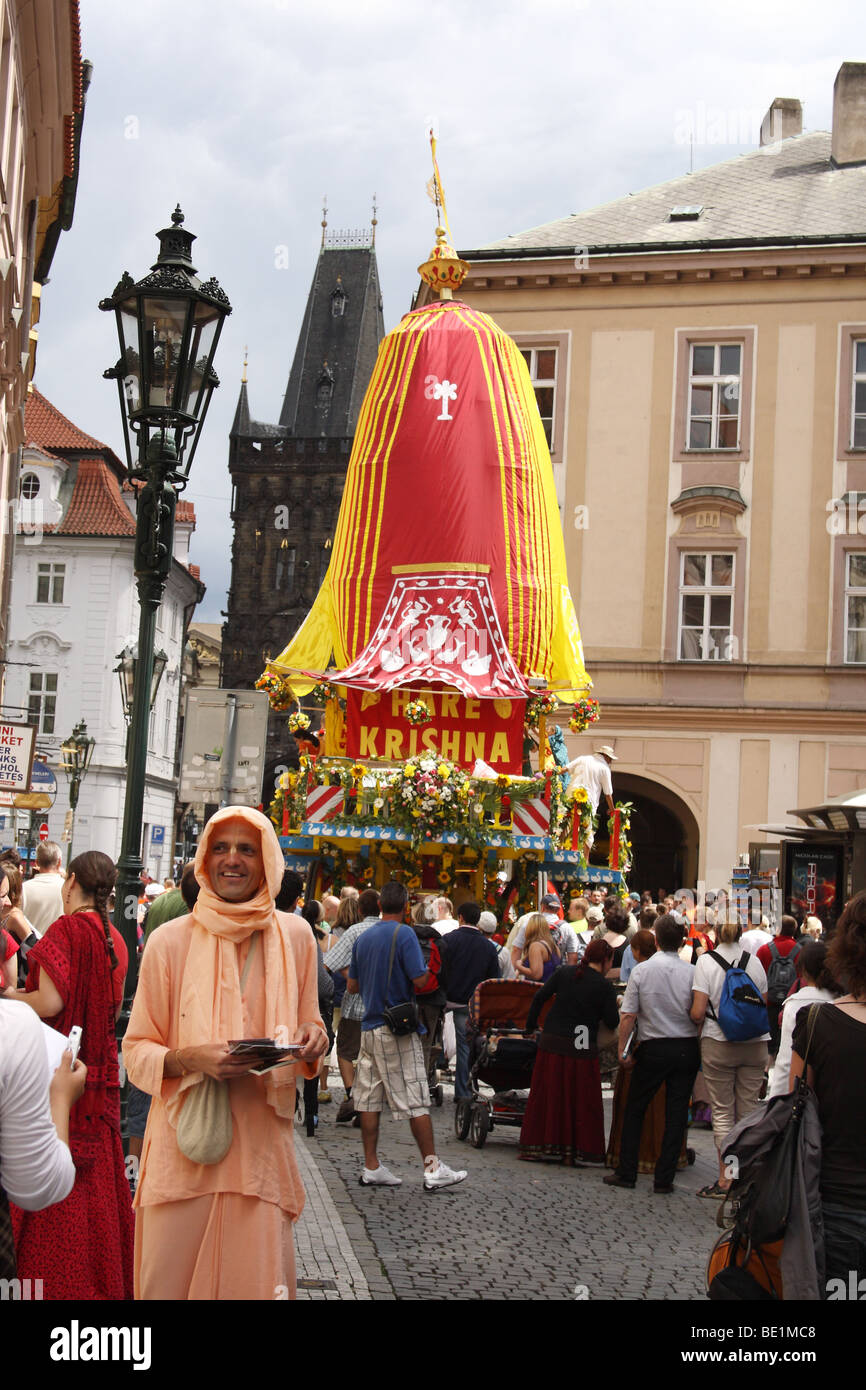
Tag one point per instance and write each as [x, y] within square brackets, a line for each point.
[512, 1230]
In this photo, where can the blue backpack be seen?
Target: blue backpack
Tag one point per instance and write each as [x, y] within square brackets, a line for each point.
[742, 1014]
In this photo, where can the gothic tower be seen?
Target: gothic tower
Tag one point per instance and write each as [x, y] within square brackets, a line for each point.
[287, 478]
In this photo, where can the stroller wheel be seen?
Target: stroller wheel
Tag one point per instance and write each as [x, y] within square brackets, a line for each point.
[436, 1094]
[479, 1126]
[462, 1119]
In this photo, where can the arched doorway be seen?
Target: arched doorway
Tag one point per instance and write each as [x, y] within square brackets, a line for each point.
[664, 834]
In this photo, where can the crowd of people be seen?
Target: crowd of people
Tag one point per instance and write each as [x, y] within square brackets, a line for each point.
[681, 1014]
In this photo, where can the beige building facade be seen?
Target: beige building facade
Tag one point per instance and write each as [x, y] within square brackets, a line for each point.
[699, 354]
[42, 88]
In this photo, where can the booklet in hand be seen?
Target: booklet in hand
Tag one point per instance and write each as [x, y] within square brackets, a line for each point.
[267, 1053]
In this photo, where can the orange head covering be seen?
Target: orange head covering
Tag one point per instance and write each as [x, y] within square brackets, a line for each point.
[235, 921]
[211, 1009]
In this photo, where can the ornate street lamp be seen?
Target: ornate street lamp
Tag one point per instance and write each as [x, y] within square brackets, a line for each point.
[127, 662]
[75, 755]
[168, 324]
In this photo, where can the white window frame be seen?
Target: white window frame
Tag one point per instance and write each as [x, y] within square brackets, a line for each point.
[530, 357]
[42, 701]
[55, 572]
[718, 382]
[852, 591]
[710, 651]
[856, 378]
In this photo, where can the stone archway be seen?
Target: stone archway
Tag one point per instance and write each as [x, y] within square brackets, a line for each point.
[664, 833]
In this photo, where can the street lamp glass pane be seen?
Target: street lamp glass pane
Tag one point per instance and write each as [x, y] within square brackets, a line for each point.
[206, 321]
[127, 318]
[164, 324]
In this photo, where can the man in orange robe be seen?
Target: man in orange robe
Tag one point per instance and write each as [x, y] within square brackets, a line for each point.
[223, 1230]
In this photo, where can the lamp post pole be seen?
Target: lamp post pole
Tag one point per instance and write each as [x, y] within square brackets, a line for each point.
[168, 325]
[154, 544]
[76, 753]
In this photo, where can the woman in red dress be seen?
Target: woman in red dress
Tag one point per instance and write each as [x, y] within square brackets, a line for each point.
[82, 1247]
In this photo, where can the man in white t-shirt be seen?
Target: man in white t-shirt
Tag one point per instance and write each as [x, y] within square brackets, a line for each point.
[756, 937]
[41, 902]
[733, 1071]
[592, 772]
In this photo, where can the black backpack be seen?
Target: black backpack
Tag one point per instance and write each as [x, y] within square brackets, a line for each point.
[782, 974]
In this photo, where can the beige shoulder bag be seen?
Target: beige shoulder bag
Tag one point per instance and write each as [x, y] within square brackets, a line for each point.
[204, 1130]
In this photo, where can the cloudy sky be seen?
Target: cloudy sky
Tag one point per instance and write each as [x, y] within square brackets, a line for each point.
[248, 111]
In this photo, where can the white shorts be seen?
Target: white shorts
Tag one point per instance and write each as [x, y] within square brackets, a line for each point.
[391, 1068]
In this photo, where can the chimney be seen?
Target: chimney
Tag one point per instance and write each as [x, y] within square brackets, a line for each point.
[849, 115]
[784, 119]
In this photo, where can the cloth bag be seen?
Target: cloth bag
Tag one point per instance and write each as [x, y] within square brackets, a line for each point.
[205, 1130]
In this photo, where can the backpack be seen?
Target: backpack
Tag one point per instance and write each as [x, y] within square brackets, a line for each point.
[782, 974]
[741, 1014]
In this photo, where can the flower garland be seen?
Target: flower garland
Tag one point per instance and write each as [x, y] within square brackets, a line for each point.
[625, 809]
[277, 689]
[298, 722]
[586, 712]
[538, 707]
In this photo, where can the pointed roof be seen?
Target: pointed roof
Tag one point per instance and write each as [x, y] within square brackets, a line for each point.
[336, 352]
[241, 422]
[244, 427]
[50, 430]
[786, 192]
[96, 507]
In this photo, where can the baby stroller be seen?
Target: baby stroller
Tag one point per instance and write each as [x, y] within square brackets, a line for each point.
[500, 1056]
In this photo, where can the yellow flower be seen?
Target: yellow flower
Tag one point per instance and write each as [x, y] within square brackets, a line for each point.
[444, 770]
[409, 770]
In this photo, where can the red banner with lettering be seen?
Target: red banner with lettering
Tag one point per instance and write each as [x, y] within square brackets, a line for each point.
[460, 730]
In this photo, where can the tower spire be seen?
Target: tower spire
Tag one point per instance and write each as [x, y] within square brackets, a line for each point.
[374, 222]
[244, 375]
[324, 218]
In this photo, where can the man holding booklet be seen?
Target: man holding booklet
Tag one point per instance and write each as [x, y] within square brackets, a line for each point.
[219, 1188]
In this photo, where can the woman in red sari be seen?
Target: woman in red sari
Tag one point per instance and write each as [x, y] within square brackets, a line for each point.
[82, 1247]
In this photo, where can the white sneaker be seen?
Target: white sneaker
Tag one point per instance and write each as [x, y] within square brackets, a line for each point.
[378, 1177]
[443, 1176]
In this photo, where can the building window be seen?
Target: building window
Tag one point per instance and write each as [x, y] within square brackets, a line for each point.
[858, 395]
[49, 583]
[855, 608]
[285, 573]
[167, 748]
[542, 372]
[715, 381]
[706, 607]
[42, 701]
[29, 486]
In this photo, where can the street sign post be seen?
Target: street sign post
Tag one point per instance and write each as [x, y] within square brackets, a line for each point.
[43, 831]
[223, 755]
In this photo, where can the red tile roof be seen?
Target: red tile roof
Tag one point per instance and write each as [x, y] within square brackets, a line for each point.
[46, 453]
[50, 430]
[195, 572]
[96, 508]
